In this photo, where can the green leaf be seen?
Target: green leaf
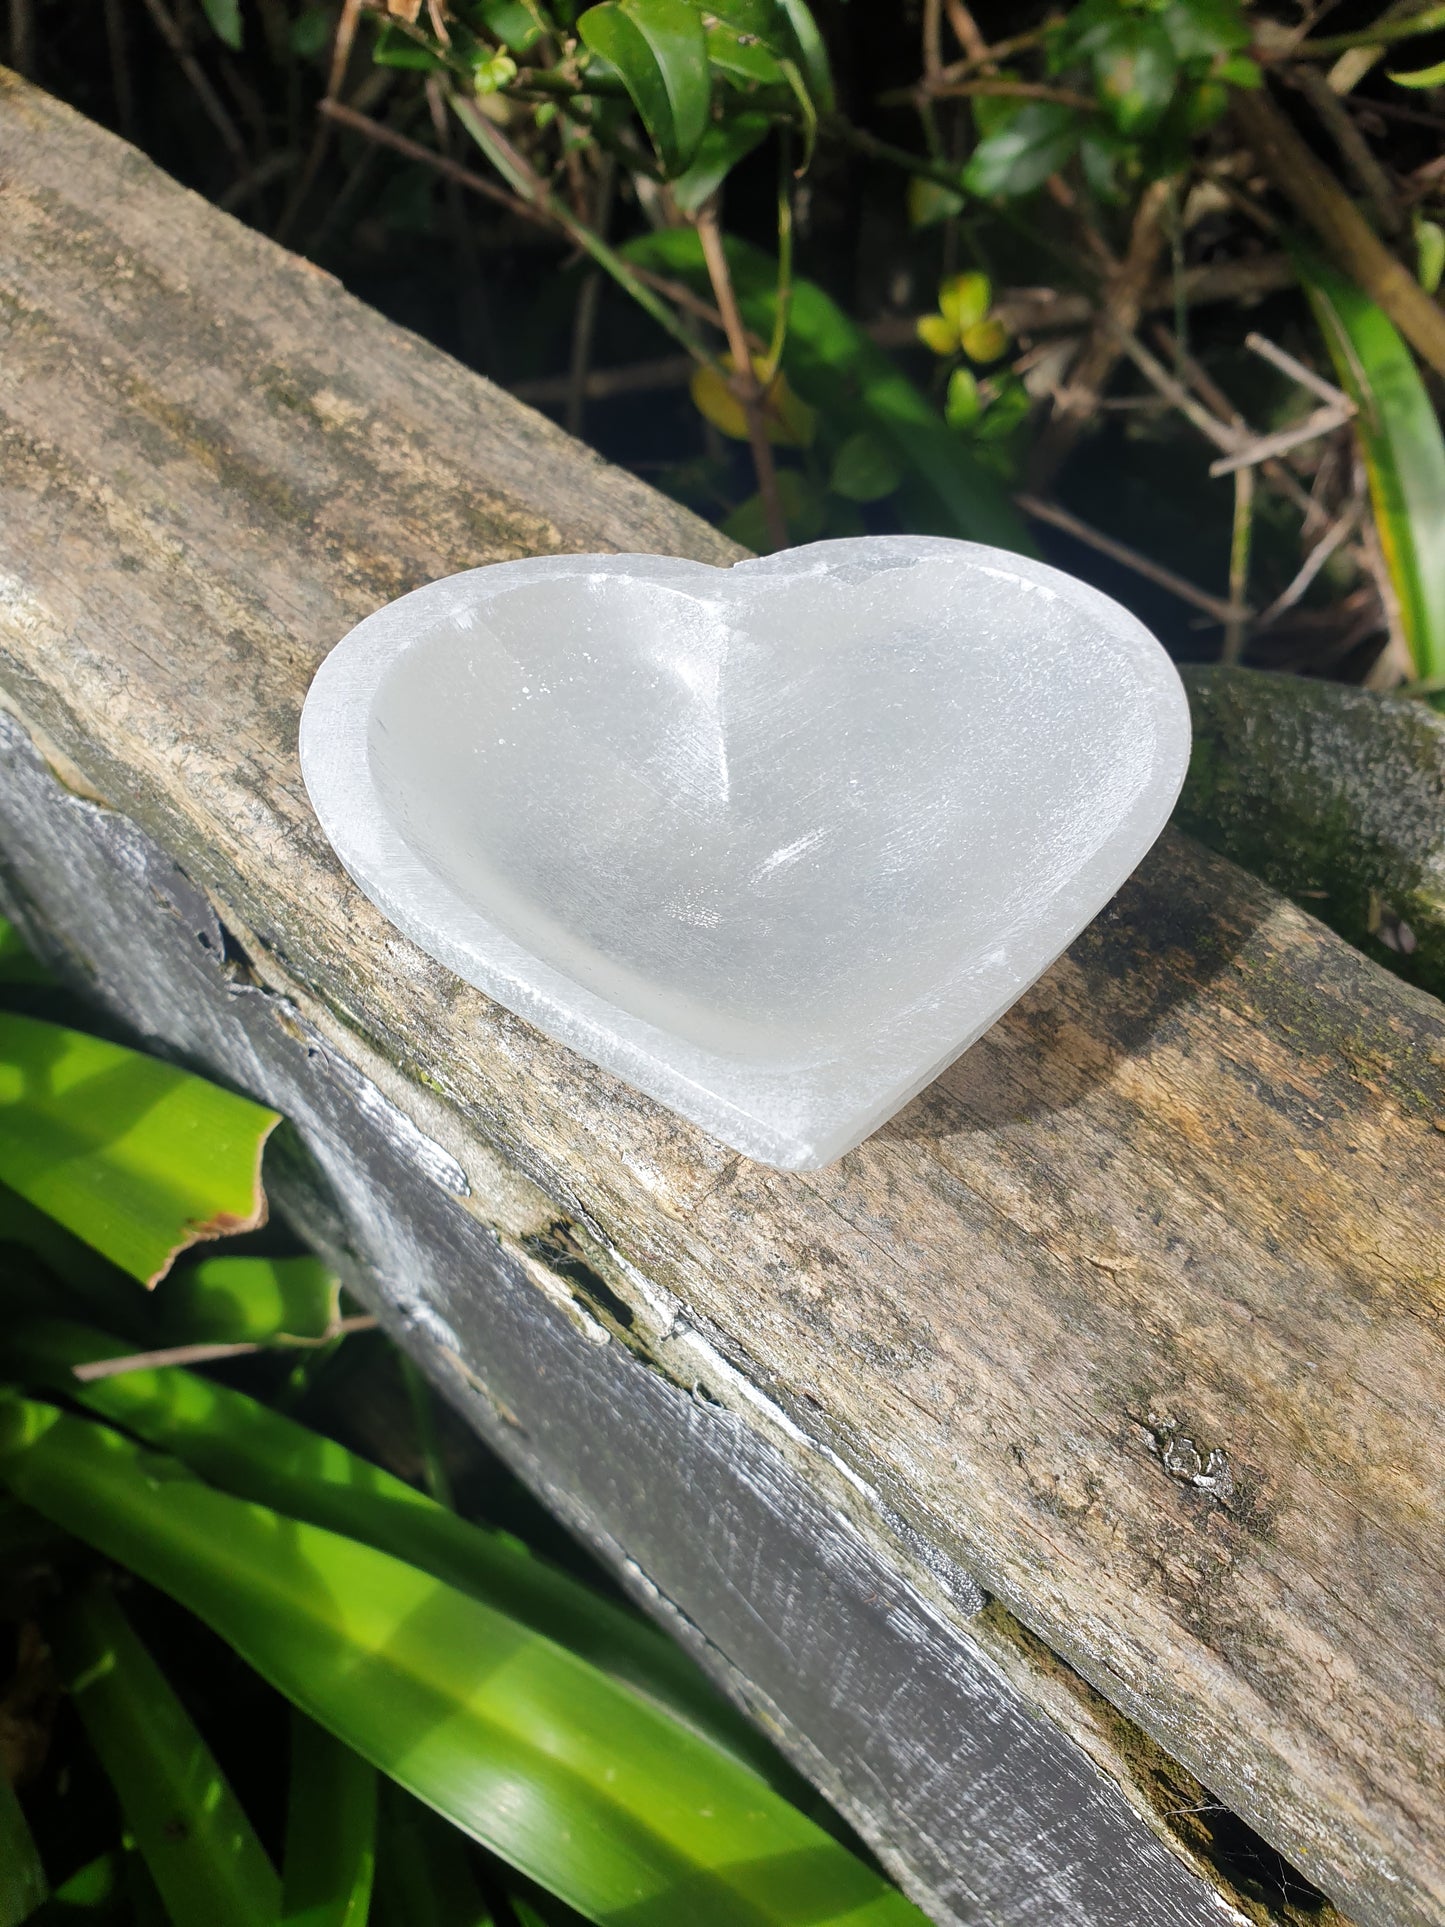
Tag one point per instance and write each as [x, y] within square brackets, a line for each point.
[809, 52]
[395, 47]
[1032, 144]
[330, 1832]
[65, 1276]
[1200, 29]
[803, 510]
[17, 965]
[93, 1896]
[742, 56]
[423, 1877]
[225, 19]
[240, 1301]
[235, 1442]
[851, 381]
[1429, 254]
[311, 32]
[1399, 436]
[961, 410]
[930, 202]
[865, 469]
[1135, 72]
[510, 21]
[660, 51]
[1422, 77]
[23, 1885]
[725, 143]
[135, 1156]
[570, 1777]
[189, 1827]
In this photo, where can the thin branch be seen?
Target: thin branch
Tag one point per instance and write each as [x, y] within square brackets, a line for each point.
[1299, 371]
[1240, 542]
[932, 38]
[385, 136]
[1122, 304]
[966, 33]
[1005, 89]
[1324, 421]
[1339, 531]
[606, 384]
[1347, 236]
[120, 76]
[1354, 150]
[745, 384]
[1222, 612]
[346, 25]
[22, 37]
[1382, 33]
[1213, 396]
[176, 1355]
[205, 93]
[533, 191]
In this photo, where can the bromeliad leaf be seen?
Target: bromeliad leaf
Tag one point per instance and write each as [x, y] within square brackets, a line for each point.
[22, 1878]
[236, 1301]
[1400, 439]
[247, 1449]
[660, 52]
[575, 1780]
[137, 1157]
[190, 1829]
[330, 1832]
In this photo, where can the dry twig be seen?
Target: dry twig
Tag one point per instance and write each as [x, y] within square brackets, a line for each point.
[745, 383]
[1347, 236]
[1060, 518]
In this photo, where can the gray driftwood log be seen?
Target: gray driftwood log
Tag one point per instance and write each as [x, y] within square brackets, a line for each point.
[1134, 1319]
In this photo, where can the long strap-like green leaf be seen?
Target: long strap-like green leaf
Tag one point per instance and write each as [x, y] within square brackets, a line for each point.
[1404, 451]
[188, 1825]
[602, 1798]
[241, 1445]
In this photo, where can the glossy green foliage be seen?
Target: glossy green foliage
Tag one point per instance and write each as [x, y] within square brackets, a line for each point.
[136, 1157]
[569, 1776]
[188, 1825]
[22, 1878]
[17, 965]
[424, 1879]
[243, 1446]
[246, 1301]
[330, 1859]
[660, 52]
[855, 386]
[1148, 78]
[1404, 451]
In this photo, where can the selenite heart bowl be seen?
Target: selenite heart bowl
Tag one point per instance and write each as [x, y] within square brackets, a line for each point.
[773, 843]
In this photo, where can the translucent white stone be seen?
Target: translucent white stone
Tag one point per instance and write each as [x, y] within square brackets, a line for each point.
[774, 843]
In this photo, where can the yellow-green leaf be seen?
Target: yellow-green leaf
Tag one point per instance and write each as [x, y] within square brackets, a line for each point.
[135, 1156]
[963, 300]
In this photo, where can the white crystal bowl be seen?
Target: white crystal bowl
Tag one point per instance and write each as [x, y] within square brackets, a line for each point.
[773, 843]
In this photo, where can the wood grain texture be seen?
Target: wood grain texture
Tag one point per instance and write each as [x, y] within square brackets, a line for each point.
[1136, 1313]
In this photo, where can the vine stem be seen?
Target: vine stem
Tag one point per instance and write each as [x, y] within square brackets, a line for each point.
[744, 383]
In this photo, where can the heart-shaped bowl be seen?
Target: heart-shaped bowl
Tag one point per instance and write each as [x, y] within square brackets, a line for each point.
[773, 843]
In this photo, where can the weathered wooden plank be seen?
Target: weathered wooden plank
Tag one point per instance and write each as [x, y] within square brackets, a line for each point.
[1136, 1314]
[772, 1587]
